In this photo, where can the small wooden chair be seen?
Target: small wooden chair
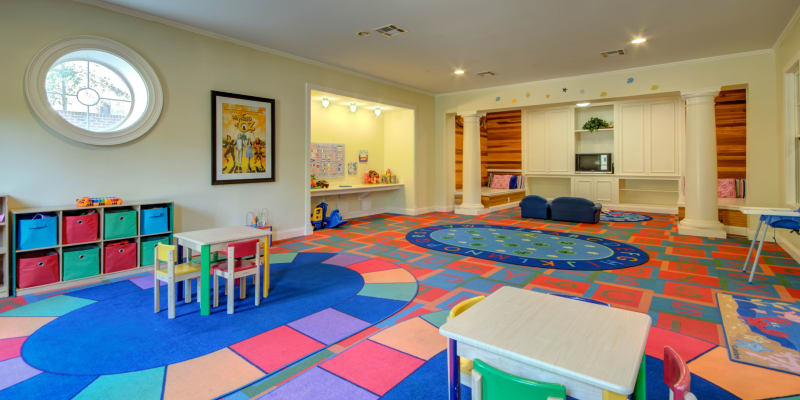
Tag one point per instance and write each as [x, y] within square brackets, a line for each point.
[165, 253]
[489, 383]
[677, 376]
[465, 364]
[235, 267]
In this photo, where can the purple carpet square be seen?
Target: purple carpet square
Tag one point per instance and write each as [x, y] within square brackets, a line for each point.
[318, 384]
[343, 259]
[329, 326]
[15, 370]
[145, 282]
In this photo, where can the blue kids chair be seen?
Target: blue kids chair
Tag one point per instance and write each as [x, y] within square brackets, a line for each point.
[791, 223]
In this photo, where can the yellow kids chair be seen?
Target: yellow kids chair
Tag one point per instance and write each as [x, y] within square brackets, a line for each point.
[234, 268]
[466, 364]
[172, 274]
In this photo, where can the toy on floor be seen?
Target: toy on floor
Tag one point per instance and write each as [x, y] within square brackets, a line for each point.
[320, 220]
[98, 201]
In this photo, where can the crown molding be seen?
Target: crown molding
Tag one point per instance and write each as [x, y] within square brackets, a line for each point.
[786, 28]
[179, 25]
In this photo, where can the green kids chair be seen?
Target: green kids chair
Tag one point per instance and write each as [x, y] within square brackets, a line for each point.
[490, 383]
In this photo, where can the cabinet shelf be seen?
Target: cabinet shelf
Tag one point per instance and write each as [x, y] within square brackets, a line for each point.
[649, 190]
[596, 130]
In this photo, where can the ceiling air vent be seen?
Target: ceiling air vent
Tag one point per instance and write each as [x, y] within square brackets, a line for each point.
[619, 52]
[486, 74]
[390, 30]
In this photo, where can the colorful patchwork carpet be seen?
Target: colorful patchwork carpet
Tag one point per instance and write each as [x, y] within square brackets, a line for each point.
[529, 247]
[762, 332]
[620, 216]
[106, 340]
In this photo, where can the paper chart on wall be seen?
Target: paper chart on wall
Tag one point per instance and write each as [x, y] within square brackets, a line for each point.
[327, 160]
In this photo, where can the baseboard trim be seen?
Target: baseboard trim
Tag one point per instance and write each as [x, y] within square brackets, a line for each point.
[291, 233]
[642, 208]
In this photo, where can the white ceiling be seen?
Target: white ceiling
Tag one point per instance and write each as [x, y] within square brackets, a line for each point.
[519, 40]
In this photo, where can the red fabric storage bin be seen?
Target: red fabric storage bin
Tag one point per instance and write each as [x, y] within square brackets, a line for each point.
[81, 228]
[119, 256]
[36, 270]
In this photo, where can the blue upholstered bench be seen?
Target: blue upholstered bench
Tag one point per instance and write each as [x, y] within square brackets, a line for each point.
[535, 207]
[575, 209]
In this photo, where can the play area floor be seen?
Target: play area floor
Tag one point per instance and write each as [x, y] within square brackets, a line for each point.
[403, 356]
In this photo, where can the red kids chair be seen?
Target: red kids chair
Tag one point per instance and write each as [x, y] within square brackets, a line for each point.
[677, 376]
[236, 267]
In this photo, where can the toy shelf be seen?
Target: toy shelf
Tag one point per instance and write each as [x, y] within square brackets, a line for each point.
[361, 188]
[5, 269]
[60, 247]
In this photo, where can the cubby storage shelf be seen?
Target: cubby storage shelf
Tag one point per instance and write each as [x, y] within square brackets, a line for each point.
[10, 278]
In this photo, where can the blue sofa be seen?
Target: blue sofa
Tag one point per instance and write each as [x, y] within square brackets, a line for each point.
[575, 209]
[535, 207]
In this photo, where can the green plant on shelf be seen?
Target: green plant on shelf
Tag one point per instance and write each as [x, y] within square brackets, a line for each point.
[595, 123]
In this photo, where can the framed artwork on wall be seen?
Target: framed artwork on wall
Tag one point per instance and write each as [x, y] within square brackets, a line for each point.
[242, 138]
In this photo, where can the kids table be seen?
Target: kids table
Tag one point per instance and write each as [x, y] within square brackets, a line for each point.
[775, 217]
[594, 351]
[216, 239]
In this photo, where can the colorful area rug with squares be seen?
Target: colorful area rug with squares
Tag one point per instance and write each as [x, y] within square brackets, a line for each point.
[530, 247]
[106, 339]
[762, 332]
[620, 216]
[677, 286]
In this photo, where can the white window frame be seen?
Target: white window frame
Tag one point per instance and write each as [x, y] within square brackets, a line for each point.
[35, 91]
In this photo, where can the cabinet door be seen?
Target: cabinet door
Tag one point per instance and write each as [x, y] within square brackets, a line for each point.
[583, 187]
[663, 138]
[604, 190]
[559, 130]
[535, 142]
[632, 139]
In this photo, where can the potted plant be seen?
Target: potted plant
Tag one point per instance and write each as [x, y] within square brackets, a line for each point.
[595, 123]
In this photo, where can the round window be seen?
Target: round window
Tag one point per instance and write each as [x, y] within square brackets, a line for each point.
[94, 90]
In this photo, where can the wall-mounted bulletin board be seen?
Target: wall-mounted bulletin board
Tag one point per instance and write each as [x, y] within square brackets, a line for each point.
[327, 160]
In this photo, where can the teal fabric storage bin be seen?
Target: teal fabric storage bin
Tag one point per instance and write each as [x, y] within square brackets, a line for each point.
[81, 262]
[119, 224]
[40, 230]
[155, 220]
[148, 247]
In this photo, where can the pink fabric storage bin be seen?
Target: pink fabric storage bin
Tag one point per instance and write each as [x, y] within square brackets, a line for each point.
[37, 270]
[81, 228]
[500, 181]
[119, 257]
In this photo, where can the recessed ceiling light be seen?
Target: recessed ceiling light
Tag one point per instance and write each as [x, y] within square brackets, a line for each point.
[459, 71]
[363, 33]
[353, 107]
[638, 40]
[585, 104]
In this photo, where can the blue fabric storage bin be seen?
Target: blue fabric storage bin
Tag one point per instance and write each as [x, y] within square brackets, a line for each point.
[155, 220]
[37, 231]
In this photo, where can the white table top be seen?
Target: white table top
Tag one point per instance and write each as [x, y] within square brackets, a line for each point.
[597, 345]
[356, 188]
[214, 236]
[783, 212]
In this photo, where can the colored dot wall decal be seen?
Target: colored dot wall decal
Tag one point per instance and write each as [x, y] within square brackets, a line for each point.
[513, 100]
[654, 87]
[527, 94]
[547, 95]
[630, 80]
[581, 91]
[497, 98]
[603, 94]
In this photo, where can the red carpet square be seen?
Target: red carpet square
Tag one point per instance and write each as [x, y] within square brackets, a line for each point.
[276, 348]
[688, 347]
[372, 366]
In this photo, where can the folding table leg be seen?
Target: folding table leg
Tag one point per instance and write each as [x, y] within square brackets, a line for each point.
[752, 245]
[758, 254]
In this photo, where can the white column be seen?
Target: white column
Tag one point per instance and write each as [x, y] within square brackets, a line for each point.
[701, 217]
[471, 177]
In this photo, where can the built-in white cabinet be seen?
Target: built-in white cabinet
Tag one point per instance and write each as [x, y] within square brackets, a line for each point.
[649, 135]
[600, 189]
[548, 141]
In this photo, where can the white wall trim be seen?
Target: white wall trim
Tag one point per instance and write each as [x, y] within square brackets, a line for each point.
[614, 72]
[289, 233]
[178, 25]
[788, 245]
[786, 28]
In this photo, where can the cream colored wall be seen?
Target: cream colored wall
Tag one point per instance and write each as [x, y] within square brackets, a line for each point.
[360, 130]
[398, 140]
[756, 69]
[787, 53]
[41, 168]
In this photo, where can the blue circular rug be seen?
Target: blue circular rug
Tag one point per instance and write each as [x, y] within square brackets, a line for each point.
[619, 216]
[531, 247]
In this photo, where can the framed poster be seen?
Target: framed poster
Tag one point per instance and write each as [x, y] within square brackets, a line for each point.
[242, 138]
[327, 160]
